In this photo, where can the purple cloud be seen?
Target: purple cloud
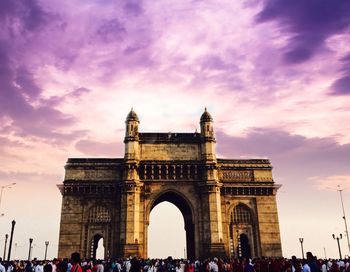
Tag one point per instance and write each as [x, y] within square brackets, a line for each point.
[133, 8]
[111, 30]
[342, 85]
[28, 13]
[78, 92]
[20, 92]
[292, 155]
[309, 23]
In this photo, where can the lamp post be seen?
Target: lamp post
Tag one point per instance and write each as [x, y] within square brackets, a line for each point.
[30, 248]
[46, 245]
[2, 190]
[346, 225]
[301, 240]
[340, 190]
[6, 237]
[11, 238]
[338, 238]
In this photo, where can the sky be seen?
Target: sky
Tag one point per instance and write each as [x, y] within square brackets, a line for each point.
[274, 74]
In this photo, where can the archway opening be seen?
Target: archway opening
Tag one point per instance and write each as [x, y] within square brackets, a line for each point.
[171, 229]
[100, 250]
[97, 248]
[245, 247]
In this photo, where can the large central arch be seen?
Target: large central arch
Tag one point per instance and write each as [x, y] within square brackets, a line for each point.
[183, 205]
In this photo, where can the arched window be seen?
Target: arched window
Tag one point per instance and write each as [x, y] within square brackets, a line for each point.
[99, 214]
[241, 214]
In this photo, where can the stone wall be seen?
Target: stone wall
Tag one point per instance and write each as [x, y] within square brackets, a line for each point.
[169, 151]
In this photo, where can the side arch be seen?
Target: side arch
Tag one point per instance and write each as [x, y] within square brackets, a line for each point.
[243, 230]
[98, 219]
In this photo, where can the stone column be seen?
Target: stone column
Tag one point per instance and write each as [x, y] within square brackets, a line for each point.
[211, 215]
[130, 220]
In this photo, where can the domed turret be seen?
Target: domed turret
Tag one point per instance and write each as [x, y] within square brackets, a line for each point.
[131, 139]
[132, 116]
[132, 123]
[206, 117]
[206, 123]
[207, 134]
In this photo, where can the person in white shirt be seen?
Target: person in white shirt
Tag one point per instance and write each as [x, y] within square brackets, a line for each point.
[213, 266]
[324, 267]
[39, 267]
[127, 265]
[306, 267]
[10, 267]
[2, 268]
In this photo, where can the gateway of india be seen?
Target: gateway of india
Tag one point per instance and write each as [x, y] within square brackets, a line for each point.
[228, 205]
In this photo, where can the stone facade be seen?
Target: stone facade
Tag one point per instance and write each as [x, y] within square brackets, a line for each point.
[229, 206]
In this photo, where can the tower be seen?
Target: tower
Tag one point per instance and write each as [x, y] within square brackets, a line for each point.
[131, 188]
[210, 190]
[131, 139]
[208, 138]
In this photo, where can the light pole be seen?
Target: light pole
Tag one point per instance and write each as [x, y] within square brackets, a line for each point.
[11, 238]
[340, 190]
[2, 190]
[46, 245]
[338, 238]
[301, 240]
[346, 225]
[30, 248]
[6, 237]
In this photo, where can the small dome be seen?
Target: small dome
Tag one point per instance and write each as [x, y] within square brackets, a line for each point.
[132, 116]
[206, 117]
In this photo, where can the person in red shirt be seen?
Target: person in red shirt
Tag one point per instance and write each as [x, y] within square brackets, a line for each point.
[75, 260]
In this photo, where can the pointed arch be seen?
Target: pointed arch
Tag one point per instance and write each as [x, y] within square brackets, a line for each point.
[185, 207]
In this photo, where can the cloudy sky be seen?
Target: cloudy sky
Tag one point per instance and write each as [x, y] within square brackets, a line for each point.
[274, 74]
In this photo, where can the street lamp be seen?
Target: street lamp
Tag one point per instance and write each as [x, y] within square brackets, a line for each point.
[6, 237]
[46, 245]
[30, 248]
[340, 190]
[1, 192]
[301, 240]
[338, 238]
[11, 238]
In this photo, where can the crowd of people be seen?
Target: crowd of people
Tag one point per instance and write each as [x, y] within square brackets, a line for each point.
[75, 264]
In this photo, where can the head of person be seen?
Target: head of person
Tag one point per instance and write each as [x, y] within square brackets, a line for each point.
[75, 258]
[62, 266]
[309, 256]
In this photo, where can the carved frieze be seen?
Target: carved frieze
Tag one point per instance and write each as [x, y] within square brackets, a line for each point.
[232, 175]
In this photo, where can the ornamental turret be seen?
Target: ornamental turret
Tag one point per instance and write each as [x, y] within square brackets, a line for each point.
[131, 139]
[208, 138]
[132, 126]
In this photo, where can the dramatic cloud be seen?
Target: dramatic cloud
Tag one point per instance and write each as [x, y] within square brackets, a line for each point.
[292, 155]
[342, 85]
[309, 23]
